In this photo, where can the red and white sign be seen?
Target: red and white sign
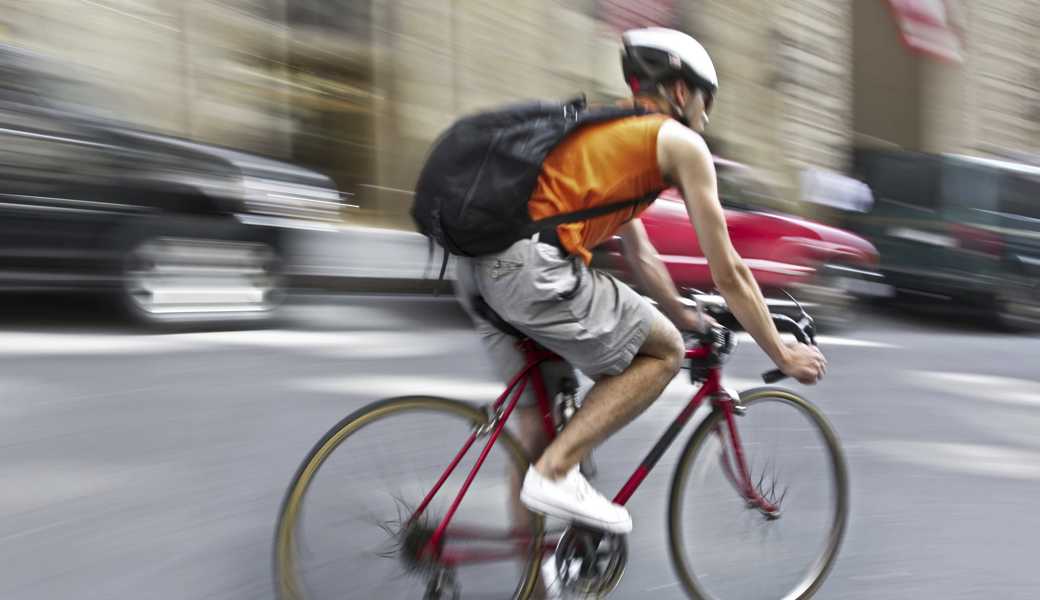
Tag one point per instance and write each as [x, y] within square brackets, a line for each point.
[927, 26]
[629, 14]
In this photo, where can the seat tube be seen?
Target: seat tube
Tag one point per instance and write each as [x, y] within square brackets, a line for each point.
[544, 401]
[510, 396]
[435, 540]
[534, 357]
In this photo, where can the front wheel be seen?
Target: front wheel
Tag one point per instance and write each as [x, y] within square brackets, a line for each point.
[1017, 306]
[723, 544]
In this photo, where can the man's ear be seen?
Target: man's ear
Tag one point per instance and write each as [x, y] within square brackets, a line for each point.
[681, 93]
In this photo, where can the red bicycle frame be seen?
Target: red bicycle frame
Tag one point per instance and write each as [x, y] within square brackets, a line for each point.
[503, 407]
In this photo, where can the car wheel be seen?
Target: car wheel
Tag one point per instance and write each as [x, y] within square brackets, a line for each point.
[1017, 306]
[185, 271]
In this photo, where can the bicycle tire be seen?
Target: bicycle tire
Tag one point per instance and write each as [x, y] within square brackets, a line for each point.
[285, 580]
[823, 564]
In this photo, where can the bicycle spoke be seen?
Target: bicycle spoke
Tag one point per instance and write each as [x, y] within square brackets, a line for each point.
[767, 530]
[359, 525]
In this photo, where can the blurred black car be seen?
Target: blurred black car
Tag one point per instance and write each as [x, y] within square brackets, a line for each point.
[176, 230]
[959, 227]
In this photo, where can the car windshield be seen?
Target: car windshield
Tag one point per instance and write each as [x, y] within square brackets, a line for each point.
[968, 186]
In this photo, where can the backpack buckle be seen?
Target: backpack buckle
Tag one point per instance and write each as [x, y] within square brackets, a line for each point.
[573, 107]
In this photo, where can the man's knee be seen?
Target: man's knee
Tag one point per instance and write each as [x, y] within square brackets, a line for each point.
[665, 343]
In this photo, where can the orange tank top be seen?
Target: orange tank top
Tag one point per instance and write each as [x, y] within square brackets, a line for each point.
[596, 165]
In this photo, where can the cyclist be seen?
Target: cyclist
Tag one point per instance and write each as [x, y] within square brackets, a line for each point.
[543, 286]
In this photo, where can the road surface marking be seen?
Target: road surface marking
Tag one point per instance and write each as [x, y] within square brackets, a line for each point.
[345, 344]
[826, 340]
[36, 344]
[395, 385]
[991, 388]
[974, 459]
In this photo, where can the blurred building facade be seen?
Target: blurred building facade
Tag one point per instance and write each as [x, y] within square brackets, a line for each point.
[977, 91]
[360, 88]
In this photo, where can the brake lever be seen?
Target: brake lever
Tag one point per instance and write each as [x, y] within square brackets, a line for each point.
[801, 309]
[806, 323]
[807, 326]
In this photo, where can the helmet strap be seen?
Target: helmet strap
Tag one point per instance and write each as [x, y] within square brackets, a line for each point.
[676, 109]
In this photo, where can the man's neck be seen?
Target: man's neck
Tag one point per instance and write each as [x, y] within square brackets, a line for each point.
[651, 103]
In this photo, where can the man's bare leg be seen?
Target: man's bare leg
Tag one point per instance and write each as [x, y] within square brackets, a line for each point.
[616, 400]
[531, 435]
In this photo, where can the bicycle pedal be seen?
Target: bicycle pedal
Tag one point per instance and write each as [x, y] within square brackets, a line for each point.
[589, 562]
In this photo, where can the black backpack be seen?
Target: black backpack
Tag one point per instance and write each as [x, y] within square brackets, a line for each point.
[472, 194]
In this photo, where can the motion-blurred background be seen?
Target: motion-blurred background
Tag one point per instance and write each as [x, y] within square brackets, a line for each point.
[843, 113]
[243, 169]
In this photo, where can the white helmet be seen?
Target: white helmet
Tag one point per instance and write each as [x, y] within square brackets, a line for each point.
[656, 55]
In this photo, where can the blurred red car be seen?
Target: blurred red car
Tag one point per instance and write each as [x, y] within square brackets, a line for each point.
[824, 267]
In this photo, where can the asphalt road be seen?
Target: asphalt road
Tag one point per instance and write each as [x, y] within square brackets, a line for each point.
[151, 466]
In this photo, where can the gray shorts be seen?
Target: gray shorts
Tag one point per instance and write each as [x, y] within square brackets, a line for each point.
[591, 319]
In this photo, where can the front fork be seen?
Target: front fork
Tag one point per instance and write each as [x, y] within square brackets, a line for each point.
[736, 468]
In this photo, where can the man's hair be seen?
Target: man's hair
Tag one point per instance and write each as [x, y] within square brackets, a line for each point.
[653, 92]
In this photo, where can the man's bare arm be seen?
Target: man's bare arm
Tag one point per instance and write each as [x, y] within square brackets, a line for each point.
[653, 276]
[685, 160]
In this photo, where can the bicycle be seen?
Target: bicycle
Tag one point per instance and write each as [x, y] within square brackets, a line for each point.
[431, 550]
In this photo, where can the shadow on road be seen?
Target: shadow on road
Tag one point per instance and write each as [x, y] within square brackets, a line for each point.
[61, 312]
[92, 313]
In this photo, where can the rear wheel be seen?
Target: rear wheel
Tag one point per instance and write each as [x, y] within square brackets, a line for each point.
[344, 529]
[725, 546]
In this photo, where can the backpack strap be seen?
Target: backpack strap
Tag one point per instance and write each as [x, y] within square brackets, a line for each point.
[588, 213]
[585, 117]
[440, 278]
[599, 114]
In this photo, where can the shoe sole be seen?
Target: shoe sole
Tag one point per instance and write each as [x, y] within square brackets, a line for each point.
[558, 512]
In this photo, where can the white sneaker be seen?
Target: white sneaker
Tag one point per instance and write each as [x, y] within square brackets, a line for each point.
[571, 498]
